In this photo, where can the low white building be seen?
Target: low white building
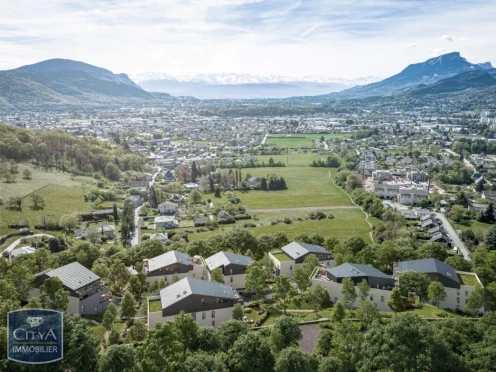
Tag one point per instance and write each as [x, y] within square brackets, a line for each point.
[173, 263]
[166, 222]
[233, 267]
[386, 191]
[412, 196]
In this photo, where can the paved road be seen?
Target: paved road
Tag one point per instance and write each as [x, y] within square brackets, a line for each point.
[14, 244]
[136, 236]
[327, 207]
[310, 334]
[454, 236]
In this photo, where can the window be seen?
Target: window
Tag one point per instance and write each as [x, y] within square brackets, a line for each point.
[203, 302]
[230, 271]
[335, 299]
[213, 314]
[382, 298]
[82, 308]
[213, 323]
[232, 279]
[371, 297]
[96, 310]
[466, 293]
[204, 315]
[290, 267]
[466, 301]
[458, 292]
[458, 300]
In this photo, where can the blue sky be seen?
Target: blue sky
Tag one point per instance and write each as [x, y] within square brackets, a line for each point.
[335, 38]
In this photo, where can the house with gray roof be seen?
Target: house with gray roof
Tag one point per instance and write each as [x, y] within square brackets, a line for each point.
[209, 303]
[232, 265]
[458, 285]
[173, 263]
[88, 294]
[295, 253]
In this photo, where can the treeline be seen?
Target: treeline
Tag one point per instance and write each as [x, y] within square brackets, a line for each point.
[455, 174]
[329, 162]
[63, 151]
[252, 164]
[475, 146]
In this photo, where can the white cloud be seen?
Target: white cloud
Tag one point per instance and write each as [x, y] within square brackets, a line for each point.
[410, 46]
[446, 38]
[310, 30]
[464, 39]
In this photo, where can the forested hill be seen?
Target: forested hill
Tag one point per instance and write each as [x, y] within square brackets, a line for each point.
[61, 150]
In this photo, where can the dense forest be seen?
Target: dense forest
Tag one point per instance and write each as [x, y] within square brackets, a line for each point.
[63, 151]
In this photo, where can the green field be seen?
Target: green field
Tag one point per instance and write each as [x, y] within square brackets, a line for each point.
[346, 222]
[471, 224]
[307, 186]
[58, 201]
[301, 139]
[40, 178]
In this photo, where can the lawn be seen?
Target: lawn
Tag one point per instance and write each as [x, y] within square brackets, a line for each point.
[468, 280]
[58, 201]
[97, 330]
[301, 139]
[281, 257]
[346, 223]
[155, 306]
[471, 224]
[40, 178]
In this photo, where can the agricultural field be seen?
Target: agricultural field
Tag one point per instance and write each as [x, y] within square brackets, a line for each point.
[296, 140]
[40, 178]
[58, 201]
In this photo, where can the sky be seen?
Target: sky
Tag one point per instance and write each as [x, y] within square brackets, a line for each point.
[333, 38]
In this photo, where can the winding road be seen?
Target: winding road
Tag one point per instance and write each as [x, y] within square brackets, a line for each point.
[15, 243]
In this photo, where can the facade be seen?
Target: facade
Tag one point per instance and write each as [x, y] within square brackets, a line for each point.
[209, 303]
[411, 196]
[386, 191]
[106, 231]
[166, 222]
[417, 176]
[294, 253]
[173, 263]
[233, 267]
[382, 175]
[88, 294]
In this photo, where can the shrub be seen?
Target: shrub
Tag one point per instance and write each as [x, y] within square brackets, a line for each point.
[288, 220]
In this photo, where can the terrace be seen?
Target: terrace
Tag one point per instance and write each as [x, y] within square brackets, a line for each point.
[155, 306]
[468, 279]
[281, 257]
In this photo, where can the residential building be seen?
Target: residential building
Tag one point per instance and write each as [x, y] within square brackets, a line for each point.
[106, 232]
[166, 222]
[134, 200]
[173, 263]
[88, 294]
[209, 303]
[411, 196]
[386, 191]
[295, 253]
[417, 176]
[232, 265]
[382, 175]
[489, 195]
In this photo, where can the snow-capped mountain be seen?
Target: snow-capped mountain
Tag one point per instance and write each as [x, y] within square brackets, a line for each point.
[231, 85]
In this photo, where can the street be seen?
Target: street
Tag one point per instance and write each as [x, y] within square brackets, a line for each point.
[454, 236]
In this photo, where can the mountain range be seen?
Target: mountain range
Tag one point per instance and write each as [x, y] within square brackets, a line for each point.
[244, 86]
[67, 84]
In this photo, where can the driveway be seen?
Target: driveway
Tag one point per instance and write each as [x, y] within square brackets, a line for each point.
[310, 334]
[454, 236]
[14, 244]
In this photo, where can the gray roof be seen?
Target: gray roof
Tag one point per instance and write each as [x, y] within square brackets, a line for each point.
[349, 270]
[298, 249]
[169, 258]
[225, 258]
[74, 276]
[188, 286]
[429, 265]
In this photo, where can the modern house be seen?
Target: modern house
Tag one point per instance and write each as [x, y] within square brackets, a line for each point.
[106, 232]
[169, 176]
[381, 284]
[168, 264]
[295, 253]
[232, 265]
[209, 303]
[166, 222]
[88, 294]
[458, 284]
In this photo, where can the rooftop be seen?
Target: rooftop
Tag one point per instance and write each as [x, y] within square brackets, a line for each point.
[348, 270]
[429, 265]
[74, 275]
[298, 249]
[468, 279]
[225, 258]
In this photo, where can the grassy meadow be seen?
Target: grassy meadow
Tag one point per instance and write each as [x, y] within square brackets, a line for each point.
[302, 139]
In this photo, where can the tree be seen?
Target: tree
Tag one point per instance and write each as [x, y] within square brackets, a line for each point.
[128, 306]
[283, 292]
[339, 312]
[186, 329]
[194, 172]
[302, 272]
[285, 332]
[320, 298]
[54, 245]
[458, 263]
[175, 279]
[216, 275]
[368, 313]
[117, 358]
[230, 331]
[217, 192]
[15, 202]
[396, 302]
[432, 250]
[52, 294]
[203, 362]
[69, 221]
[251, 352]
[207, 340]
[112, 172]
[26, 174]
[237, 312]
[324, 341]
[152, 197]
[414, 282]
[127, 223]
[436, 292]
[195, 197]
[476, 300]
[81, 347]
[93, 234]
[137, 286]
[118, 275]
[363, 290]
[457, 213]
[138, 330]
[292, 359]
[491, 238]
[255, 280]
[22, 279]
[110, 316]
[38, 201]
[349, 293]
